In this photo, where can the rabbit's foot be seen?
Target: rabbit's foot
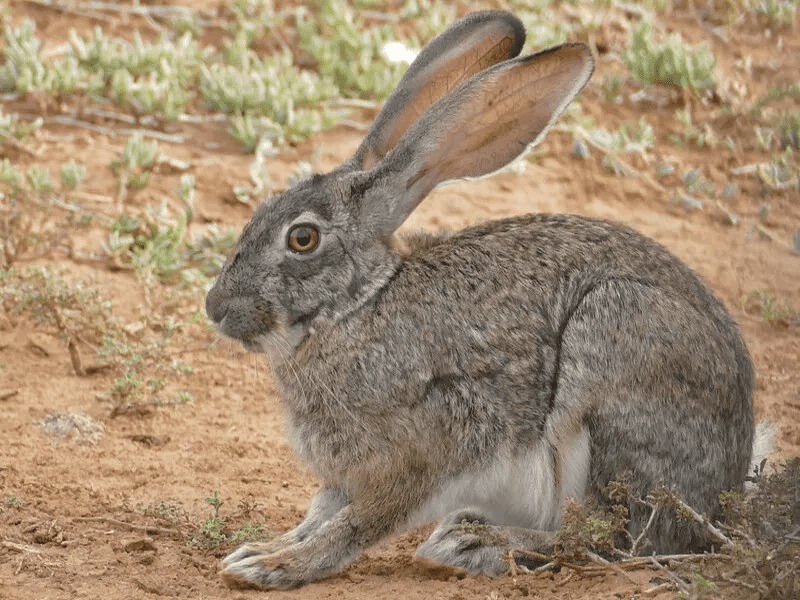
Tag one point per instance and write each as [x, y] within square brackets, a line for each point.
[468, 542]
[257, 566]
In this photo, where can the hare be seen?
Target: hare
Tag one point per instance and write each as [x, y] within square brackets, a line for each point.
[485, 375]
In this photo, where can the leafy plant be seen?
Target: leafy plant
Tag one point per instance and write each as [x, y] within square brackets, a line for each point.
[216, 531]
[777, 13]
[347, 51]
[671, 62]
[22, 70]
[135, 166]
[12, 128]
[13, 502]
[769, 309]
[157, 245]
[72, 175]
[33, 221]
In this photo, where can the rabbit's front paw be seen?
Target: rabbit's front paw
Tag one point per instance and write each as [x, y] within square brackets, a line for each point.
[255, 566]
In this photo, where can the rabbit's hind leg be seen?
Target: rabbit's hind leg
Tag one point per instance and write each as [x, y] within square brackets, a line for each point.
[467, 541]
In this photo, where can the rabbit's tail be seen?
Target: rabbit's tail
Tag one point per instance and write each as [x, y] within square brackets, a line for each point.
[763, 446]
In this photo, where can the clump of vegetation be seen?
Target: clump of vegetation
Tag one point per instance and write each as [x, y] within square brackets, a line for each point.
[162, 510]
[13, 502]
[671, 62]
[75, 311]
[347, 51]
[84, 321]
[588, 528]
[216, 530]
[778, 14]
[33, 216]
[23, 70]
[158, 245]
[13, 130]
[754, 543]
[135, 166]
[767, 521]
[763, 303]
[635, 140]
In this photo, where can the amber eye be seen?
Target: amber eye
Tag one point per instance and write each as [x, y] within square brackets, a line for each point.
[303, 238]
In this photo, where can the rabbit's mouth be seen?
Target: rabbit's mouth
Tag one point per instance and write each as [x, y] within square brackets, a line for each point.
[243, 318]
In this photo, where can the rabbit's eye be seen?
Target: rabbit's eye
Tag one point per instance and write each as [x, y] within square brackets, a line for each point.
[303, 238]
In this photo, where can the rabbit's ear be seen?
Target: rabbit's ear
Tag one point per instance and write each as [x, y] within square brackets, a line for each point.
[477, 129]
[469, 46]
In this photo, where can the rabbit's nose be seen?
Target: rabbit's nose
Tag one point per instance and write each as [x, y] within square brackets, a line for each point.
[216, 303]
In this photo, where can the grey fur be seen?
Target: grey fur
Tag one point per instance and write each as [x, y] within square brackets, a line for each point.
[421, 373]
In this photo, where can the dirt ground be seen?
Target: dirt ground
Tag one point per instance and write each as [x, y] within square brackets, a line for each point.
[90, 526]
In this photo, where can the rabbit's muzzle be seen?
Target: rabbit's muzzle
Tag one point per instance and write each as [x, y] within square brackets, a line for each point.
[242, 318]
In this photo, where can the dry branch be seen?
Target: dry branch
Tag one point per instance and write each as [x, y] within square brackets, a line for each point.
[20, 547]
[147, 529]
[12, 141]
[713, 531]
[73, 122]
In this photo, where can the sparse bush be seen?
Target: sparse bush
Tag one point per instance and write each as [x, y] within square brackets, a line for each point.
[671, 62]
[347, 51]
[156, 243]
[135, 166]
[72, 175]
[763, 303]
[216, 531]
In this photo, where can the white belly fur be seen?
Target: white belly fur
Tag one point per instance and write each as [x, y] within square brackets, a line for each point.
[520, 491]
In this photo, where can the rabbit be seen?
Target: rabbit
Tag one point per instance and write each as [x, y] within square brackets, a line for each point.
[483, 376]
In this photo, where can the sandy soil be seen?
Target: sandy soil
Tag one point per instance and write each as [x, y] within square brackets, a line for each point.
[89, 526]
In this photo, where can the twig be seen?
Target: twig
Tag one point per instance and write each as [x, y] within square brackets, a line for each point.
[20, 547]
[513, 567]
[637, 541]
[794, 536]
[75, 357]
[90, 197]
[739, 583]
[352, 103]
[5, 395]
[602, 561]
[184, 118]
[675, 579]
[546, 567]
[73, 122]
[108, 114]
[715, 533]
[529, 554]
[148, 529]
[135, 9]
[12, 141]
[353, 125]
[657, 589]
[66, 9]
[769, 235]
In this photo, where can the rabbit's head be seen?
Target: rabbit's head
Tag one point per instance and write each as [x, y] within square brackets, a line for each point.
[465, 108]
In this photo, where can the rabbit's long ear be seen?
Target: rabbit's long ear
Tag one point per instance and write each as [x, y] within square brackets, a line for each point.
[467, 47]
[475, 130]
